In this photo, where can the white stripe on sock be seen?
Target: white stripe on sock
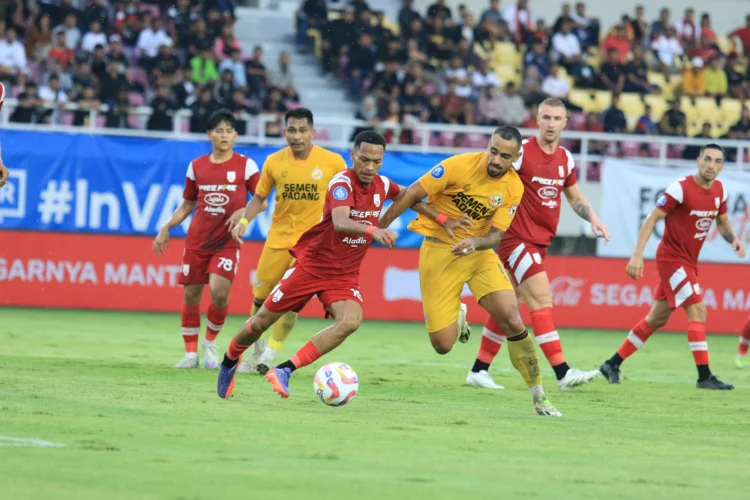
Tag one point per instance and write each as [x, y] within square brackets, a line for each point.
[635, 340]
[495, 337]
[547, 337]
[189, 332]
[698, 346]
[744, 341]
[214, 326]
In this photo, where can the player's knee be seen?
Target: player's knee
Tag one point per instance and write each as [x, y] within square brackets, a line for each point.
[349, 324]
[220, 299]
[656, 320]
[259, 324]
[441, 345]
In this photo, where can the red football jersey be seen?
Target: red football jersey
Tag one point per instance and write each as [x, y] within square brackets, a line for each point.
[544, 176]
[2, 95]
[690, 210]
[325, 253]
[220, 189]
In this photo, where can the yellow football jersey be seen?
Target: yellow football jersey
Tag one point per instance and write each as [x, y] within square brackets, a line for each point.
[300, 191]
[460, 186]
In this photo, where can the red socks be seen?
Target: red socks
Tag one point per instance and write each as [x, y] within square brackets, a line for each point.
[306, 355]
[191, 327]
[546, 336]
[235, 350]
[215, 321]
[492, 341]
[744, 339]
[636, 338]
[697, 340]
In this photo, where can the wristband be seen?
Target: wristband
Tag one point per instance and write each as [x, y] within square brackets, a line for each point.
[243, 221]
[441, 219]
[369, 230]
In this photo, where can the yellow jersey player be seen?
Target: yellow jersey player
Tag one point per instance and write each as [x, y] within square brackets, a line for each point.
[300, 173]
[483, 191]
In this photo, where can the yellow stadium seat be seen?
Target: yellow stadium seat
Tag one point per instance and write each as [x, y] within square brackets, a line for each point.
[655, 78]
[687, 106]
[694, 127]
[658, 106]
[583, 99]
[508, 74]
[602, 100]
[631, 104]
[707, 109]
[732, 110]
[505, 53]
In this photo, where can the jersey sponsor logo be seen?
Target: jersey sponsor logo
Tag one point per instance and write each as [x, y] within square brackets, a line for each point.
[301, 191]
[231, 176]
[376, 199]
[550, 203]
[216, 199]
[548, 192]
[355, 242]
[217, 187]
[340, 193]
[661, 201]
[704, 213]
[438, 172]
[317, 174]
[496, 200]
[360, 214]
[704, 223]
[469, 206]
[548, 182]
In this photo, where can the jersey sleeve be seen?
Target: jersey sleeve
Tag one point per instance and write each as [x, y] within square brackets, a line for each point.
[517, 164]
[570, 179]
[191, 188]
[266, 181]
[671, 199]
[392, 189]
[340, 192]
[723, 203]
[439, 177]
[507, 211]
[252, 175]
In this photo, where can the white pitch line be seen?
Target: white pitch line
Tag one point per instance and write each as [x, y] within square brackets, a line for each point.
[40, 443]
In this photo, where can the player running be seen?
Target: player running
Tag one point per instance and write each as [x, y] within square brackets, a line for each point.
[4, 173]
[328, 262]
[218, 185]
[688, 208]
[743, 346]
[547, 170]
[300, 173]
[484, 187]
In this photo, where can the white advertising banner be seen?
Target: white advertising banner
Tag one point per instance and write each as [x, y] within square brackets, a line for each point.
[630, 192]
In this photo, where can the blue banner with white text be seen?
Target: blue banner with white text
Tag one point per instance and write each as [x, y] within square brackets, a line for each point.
[131, 185]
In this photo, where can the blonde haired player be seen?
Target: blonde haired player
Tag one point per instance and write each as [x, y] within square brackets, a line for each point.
[484, 189]
[300, 173]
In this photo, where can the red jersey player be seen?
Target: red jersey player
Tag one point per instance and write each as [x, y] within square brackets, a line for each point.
[688, 207]
[218, 185]
[547, 171]
[4, 174]
[743, 346]
[328, 261]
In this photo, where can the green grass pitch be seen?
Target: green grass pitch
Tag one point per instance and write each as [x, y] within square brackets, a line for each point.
[101, 383]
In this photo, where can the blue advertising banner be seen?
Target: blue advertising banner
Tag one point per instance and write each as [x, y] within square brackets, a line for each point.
[130, 185]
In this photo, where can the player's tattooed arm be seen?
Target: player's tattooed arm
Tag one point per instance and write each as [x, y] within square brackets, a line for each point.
[582, 208]
[490, 240]
[725, 228]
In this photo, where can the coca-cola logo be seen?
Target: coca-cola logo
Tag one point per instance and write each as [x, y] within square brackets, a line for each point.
[548, 192]
[217, 199]
[566, 290]
[704, 223]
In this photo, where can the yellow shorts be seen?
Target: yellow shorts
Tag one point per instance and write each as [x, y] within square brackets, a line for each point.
[442, 276]
[272, 265]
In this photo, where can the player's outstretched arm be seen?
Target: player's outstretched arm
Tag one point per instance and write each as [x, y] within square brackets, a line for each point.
[581, 207]
[342, 223]
[635, 264]
[256, 205]
[162, 238]
[469, 245]
[401, 203]
[724, 226]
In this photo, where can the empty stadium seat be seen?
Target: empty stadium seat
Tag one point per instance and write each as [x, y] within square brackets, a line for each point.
[731, 110]
[602, 100]
[658, 106]
[631, 104]
[508, 74]
[582, 98]
[505, 53]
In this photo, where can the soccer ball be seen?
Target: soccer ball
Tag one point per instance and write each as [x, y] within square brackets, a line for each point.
[336, 384]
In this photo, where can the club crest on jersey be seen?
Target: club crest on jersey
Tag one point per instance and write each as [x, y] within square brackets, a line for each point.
[467, 187]
[561, 169]
[376, 199]
[496, 200]
[661, 201]
[231, 176]
[438, 172]
[185, 269]
[718, 201]
[317, 174]
[340, 193]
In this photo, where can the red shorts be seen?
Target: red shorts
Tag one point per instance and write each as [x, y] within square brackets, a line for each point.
[298, 286]
[678, 284]
[523, 260]
[197, 265]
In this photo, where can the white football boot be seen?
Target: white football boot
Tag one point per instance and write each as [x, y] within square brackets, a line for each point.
[482, 379]
[189, 361]
[210, 356]
[543, 407]
[464, 329]
[249, 363]
[265, 361]
[576, 377]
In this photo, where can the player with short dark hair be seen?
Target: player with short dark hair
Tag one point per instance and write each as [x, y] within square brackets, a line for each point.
[689, 206]
[483, 191]
[328, 256]
[4, 173]
[216, 187]
[547, 171]
[300, 173]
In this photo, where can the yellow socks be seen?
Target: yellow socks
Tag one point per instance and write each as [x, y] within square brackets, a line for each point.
[522, 354]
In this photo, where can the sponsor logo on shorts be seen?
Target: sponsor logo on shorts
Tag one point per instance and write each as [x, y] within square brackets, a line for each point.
[548, 192]
[496, 200]
[317, 174]
[216, 199]
[185, 269]
[703, 224]
[438, 172]
[661, 201]
[340, 193]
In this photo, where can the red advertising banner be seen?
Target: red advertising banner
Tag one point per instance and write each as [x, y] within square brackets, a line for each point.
[121, 273]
